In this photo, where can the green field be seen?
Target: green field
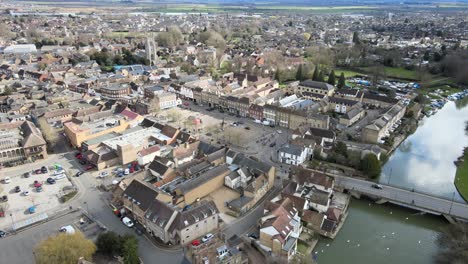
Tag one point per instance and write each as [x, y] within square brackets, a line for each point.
[208, 8]
[347, 73]
[461, 179]
[397, 73]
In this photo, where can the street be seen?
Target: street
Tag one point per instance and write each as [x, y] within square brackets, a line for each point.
[96, 202]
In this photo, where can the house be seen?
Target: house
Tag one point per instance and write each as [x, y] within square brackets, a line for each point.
[340, 105]
[380, 127]
[21, 141]
[294, 154]
[308, 88]
[256, 112]
[352, 116]
[280, 228]
[170, 224]
[166, 100]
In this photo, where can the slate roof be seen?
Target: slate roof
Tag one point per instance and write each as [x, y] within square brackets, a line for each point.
[141, 194]
[32, 137]
[303, 176]
[205, 177]
[194, 215]
[158, 167]
[159, 213]
[316, 85]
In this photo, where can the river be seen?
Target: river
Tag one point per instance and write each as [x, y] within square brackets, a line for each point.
[392, 234]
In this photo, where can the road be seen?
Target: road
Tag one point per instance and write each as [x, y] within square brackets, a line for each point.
[91, 199]
[406, 197]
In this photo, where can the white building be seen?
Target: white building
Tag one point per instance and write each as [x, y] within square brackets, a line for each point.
[293, 154]
[20, 49]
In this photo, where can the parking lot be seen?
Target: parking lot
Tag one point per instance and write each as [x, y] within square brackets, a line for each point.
[22, 195]
[19, 248]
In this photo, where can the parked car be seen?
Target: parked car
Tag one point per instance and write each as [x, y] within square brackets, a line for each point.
[252, 235]
[272, 144]
[4, 198]
[126, 171]
[2, 234]
[26, 193]
[132, 170]
[120, 174]
[207, 237]
[89, 167]
[27, 174]
[49, 181]
[38, 184]
[103, 174]
[44, 169]
[59, 172]
[128, 222]
[248, 128]
[196, 242]
[60, 176]
[377, 186]
[83, 162]
[78, 174]
[6, 180]
[38, 171]
[17, 189]
[67, 229]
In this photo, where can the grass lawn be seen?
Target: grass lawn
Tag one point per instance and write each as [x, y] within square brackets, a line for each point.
[347, 73]
[302, 247]
[461, 179]
[398, 73]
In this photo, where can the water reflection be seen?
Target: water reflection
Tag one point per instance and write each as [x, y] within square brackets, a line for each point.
[425, 160]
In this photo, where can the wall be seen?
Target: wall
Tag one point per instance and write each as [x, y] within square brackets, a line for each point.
[199, 229]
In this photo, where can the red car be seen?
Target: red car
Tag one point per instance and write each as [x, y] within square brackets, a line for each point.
[132, 170]
[89, 167]
[196, 242]
[37, 184]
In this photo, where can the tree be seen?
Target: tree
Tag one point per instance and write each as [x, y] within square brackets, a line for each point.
[321, 77]
[356, 39]
[64, 249]
[341, 81]
[331, 78]
[299, 73]
[130, 250]
[371, 166]
[453, 245]
[109, 243]
[341, 148]
[7, 91]
[315, 76]
[50, 136]
[421, 99]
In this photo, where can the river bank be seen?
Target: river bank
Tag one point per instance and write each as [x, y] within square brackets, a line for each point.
[392, 234]
[461, 177]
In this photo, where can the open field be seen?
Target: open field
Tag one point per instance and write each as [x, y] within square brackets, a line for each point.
[347, 73]
[461, 179]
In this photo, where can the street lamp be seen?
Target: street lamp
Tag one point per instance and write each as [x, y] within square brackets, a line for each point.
[87, 208]
[12, 222]
[451, 204]
[389, 177]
